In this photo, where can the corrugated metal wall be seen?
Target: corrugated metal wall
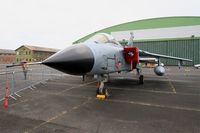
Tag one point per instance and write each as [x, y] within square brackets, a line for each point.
[185, 48]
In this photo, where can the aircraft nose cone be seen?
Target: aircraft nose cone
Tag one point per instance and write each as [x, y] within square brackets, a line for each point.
[77, 60]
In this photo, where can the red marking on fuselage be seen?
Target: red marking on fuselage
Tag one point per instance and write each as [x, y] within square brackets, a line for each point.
[132, 56]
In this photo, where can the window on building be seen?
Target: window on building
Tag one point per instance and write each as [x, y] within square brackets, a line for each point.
[30, 60]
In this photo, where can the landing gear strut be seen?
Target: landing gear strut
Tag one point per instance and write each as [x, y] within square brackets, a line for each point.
[102, 91]
[139, 71]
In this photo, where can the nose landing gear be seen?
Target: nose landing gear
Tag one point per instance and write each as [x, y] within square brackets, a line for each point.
[102, 91]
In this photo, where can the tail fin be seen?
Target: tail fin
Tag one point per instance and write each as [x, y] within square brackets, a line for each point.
[130, 42]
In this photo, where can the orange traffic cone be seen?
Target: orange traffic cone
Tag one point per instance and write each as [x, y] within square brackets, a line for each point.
[6, 96]
[6, 102]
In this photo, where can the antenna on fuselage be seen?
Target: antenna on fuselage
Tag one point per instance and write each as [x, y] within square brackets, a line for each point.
[130, 42]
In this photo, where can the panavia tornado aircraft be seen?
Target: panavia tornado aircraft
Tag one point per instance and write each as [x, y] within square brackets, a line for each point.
[102, 55]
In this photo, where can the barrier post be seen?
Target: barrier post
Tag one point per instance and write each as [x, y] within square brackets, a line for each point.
[42, 73]
[13, 82]
[13, 86]
[31, 75]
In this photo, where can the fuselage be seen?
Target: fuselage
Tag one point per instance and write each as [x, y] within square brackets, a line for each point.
[89, 58]
[108, 58]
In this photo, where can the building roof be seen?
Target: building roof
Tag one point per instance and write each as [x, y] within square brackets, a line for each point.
[7, 51]
[159, 33]
[164, 22]
[37, 48]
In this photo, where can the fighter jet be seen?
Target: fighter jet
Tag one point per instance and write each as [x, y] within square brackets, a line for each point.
[102, 55]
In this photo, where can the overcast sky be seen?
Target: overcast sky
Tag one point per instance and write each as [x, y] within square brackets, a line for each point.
[57, 23]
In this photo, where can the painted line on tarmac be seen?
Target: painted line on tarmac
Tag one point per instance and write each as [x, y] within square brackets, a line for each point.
[195, 87]
[171, 85]
[60, 114]
[155, 105]
[143, 90]
[150, 91]
[64, 84]
[138, 103]
[173, 88]
[81, 85]
[69, 84]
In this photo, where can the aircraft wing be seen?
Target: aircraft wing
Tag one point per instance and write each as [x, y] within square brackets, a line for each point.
[149, 54]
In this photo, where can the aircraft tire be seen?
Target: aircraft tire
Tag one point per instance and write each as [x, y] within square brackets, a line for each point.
[141, 79]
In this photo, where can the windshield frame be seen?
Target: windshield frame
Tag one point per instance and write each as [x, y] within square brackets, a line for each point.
[103, 38]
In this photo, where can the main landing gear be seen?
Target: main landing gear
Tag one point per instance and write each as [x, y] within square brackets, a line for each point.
[102, 91]
[141, 77]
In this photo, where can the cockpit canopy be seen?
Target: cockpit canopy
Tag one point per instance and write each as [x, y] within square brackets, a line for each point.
[103, 38]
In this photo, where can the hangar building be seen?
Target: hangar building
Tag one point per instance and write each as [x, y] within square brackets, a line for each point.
[175, 36]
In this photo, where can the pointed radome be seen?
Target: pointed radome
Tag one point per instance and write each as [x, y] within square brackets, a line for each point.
[77, 60]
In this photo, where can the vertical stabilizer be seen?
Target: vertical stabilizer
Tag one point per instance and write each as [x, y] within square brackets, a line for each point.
[130, 42]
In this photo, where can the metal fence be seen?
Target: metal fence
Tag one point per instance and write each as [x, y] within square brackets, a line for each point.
[15, 77]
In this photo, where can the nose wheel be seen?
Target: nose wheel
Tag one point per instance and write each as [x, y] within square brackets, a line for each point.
[102, 93]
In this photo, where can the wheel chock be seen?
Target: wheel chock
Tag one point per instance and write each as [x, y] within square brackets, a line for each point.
[100, 97]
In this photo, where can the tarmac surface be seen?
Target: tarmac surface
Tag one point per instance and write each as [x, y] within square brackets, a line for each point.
[168, 104]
